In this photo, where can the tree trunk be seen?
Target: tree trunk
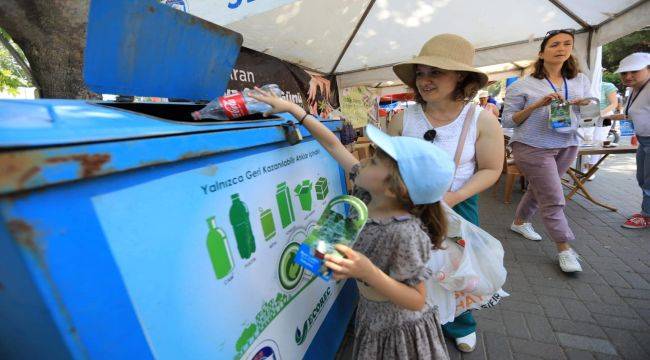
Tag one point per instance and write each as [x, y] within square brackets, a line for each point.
[52, 34]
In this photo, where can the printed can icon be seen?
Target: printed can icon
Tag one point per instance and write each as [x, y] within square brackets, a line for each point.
[268, 224]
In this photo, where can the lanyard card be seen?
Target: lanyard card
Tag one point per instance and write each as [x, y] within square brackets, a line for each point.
[332, 228]
[559, 115]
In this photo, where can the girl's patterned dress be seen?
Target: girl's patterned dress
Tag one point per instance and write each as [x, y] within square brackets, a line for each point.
[401, 248]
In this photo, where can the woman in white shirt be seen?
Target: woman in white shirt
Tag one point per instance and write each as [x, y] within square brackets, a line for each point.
[635, 73]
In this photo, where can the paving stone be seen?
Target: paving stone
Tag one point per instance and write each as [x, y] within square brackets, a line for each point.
[638, 303]
[497, 346]
[577, 328]
[585, 292]
[621, 323]
[552, 291]
[617, 310]
[626, 344]
[586, 343]
[613, 278]
[633, 293]
[607, 294]
[553, 307]
[525, 307]
[643, 339]
[540, 329]
[529, 347]
[599, 356]
[635, 280]
[577, 310]
[519, 356]
[515, 324]
[575, 354]
[496, 327]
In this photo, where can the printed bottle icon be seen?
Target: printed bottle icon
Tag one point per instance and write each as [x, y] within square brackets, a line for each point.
[218, 249]
[241, 226]
[268, 225]
[285, 206]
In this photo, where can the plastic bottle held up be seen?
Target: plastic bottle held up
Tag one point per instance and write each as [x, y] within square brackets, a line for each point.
[234, 106]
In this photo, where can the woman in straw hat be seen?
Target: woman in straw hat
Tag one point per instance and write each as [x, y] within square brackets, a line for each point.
[444, 82]
[542, 153]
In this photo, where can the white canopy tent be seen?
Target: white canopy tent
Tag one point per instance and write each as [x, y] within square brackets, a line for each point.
[359, 40]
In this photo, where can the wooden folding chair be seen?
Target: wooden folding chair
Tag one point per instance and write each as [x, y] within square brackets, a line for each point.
[511, 172]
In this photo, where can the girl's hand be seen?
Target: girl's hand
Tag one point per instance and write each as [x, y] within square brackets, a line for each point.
[278, 104]
[354, 265]
[547, 100]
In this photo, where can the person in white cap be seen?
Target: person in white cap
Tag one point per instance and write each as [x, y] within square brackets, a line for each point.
[483, 102]
[634, 70]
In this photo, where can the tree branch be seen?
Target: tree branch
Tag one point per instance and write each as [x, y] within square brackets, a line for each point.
[19, 59]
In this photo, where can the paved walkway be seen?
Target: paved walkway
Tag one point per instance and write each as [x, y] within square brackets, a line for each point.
[601, 313]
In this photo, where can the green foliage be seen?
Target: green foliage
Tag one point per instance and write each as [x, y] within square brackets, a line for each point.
[12, 75]
[495, 88]
[614, 79]
[615, 51]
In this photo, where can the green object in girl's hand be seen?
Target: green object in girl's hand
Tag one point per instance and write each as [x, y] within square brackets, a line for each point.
[331, 229]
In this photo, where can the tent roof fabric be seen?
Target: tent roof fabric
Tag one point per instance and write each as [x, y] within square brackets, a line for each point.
[345, 37]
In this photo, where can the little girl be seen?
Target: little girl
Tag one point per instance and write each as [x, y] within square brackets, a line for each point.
[389, 258]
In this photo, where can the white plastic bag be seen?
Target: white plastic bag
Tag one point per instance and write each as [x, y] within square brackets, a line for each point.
[468, 271]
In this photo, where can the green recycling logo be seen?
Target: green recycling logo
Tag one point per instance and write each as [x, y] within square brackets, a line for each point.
[301, 336]
[289, 272]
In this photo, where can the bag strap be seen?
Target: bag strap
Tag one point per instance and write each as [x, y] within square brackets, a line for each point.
[469, 116]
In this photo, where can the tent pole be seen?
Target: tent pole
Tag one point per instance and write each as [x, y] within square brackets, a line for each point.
[352, 36]
[623, 12]
[570, 14]
[589, 40]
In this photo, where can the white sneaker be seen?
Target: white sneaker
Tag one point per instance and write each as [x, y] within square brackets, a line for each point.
[466, 343]
[569, 261]
[526, 229]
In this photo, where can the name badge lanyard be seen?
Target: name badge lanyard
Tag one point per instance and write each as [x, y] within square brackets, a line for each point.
[566, 88]
[632, 98]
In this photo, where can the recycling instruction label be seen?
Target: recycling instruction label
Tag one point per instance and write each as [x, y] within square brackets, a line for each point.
[206, 255]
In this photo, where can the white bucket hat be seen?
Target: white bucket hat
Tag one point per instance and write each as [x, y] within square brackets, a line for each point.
[634, 62]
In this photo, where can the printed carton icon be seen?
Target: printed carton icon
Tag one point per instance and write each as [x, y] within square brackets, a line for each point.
[303, 192]
[321, 188]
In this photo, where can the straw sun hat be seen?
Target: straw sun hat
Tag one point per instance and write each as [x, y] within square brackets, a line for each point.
[445, 51]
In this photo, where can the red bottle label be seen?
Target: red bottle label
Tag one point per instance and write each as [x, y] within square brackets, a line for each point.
[234, 105]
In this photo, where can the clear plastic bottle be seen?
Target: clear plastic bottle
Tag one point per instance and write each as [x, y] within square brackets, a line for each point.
[235, 106]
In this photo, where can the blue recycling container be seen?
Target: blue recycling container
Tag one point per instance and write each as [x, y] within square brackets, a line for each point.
[129, 232]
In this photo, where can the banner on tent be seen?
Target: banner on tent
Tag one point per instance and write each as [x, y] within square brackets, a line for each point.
[224, 12]
[360, 106]
[315, 93]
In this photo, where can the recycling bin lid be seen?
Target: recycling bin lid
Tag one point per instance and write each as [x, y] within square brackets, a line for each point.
[145, 48]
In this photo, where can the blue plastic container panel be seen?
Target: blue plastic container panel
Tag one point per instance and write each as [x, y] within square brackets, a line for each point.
[144, 48]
